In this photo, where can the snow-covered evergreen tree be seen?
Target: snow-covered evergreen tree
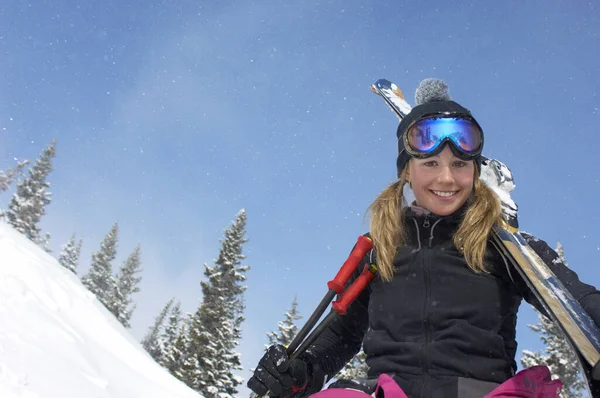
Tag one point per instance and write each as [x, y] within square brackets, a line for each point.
[177, 359]
[69, 254]
[99, 280]
[173, 341]
[151, 342]
[356, 368]
[287, 328]
[127, 283]
[557, 355]
[32, 196]
[215, 328]
[10, 175]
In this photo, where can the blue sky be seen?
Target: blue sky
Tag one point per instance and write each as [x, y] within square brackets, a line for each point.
[170, 117]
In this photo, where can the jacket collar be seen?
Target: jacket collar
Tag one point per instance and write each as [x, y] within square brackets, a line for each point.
[418, 212]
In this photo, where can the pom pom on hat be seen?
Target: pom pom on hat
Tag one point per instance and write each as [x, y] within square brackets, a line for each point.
[432, 90]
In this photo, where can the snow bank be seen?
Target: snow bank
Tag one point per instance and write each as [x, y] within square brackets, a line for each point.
[57, 340]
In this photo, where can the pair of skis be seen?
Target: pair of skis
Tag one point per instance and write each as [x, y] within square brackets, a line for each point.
[579, 329]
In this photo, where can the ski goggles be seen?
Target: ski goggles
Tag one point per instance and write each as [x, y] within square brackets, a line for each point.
[426, 136]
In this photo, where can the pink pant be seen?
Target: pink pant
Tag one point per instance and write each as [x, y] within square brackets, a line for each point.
[534, 382]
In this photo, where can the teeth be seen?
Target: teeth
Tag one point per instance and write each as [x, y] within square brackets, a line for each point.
[445, 194]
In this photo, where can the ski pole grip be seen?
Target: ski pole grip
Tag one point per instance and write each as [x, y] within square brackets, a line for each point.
[341, 305]
[363, 245]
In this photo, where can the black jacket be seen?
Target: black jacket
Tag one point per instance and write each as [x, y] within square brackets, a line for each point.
[438, 327]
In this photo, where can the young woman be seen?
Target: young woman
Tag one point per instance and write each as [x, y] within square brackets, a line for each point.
[441, 315]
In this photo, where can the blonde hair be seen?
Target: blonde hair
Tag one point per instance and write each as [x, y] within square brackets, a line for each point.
[388, 232]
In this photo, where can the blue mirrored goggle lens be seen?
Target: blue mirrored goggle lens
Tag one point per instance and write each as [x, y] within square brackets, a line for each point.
[426, 135]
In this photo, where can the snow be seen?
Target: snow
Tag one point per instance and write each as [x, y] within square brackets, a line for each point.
[57, 340]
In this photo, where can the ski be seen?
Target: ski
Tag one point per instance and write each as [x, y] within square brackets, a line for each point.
[580, 330]
[392, 95]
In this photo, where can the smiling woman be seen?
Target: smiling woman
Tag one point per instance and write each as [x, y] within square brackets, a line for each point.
[440, 315]
[442, 183]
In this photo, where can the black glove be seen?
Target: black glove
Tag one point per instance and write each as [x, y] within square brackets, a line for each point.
[278, 376]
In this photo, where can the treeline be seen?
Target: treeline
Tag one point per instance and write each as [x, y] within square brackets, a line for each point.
[198, 348]
[25, 210]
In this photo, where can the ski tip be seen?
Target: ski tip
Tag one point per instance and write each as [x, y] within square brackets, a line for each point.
[386, 84]
[383, 82]
[397, 91]
[393, 96]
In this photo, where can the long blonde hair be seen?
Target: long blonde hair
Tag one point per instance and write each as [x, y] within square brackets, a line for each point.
[388, 232]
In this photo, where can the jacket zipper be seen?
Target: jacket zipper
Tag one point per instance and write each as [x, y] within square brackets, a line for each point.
[425, 361]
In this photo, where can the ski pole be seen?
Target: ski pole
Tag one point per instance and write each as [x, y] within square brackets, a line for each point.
[336, 286]
[339, 306]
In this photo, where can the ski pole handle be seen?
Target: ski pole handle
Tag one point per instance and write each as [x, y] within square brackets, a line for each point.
[336, 285]
[341, 305]
[363, 245]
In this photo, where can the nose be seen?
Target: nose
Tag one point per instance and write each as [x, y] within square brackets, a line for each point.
[446, 175]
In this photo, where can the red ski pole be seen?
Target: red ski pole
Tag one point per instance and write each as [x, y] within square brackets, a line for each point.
[336, 286]
[339, 306]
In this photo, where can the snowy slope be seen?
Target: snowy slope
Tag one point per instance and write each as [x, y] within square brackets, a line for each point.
[57, 340]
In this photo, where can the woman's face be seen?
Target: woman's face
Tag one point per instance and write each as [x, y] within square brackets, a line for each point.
[441, 183]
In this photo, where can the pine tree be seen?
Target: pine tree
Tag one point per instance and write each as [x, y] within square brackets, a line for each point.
[127, 283]
[69, 254]
[558, 355]
[177, 359]
[287, 327]
[8, 177]
[173, 341]
[215, 328]
[151, 341]
[99, 280]
[356, 368]
[28, 204]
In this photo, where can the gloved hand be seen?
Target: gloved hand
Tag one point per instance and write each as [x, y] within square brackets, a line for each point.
[534, 382]
[278, 376]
